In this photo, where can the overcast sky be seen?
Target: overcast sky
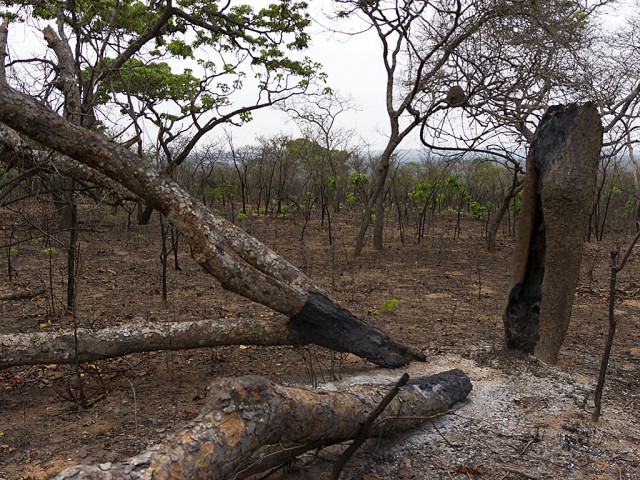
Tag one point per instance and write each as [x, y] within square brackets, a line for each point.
[355, 70]
[353, 64]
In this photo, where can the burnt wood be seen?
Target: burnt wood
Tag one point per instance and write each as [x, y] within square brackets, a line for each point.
[558, 194]
[250, 424]
[322, 322]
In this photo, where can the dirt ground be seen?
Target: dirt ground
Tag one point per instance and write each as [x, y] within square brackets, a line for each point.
[523, 420]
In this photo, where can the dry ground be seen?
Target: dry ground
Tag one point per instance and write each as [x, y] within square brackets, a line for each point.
[523, 419]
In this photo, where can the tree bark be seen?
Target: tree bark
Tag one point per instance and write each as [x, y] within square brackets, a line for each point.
[4, 31]
[378, 224]
[239, 261]
[138, 335]
[636, 180]
[250, 424]
[16, 153]
[377, 190]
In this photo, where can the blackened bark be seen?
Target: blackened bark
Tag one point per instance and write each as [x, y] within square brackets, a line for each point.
[322, 322]
[522, 315]
[240, 262]
[558, 193]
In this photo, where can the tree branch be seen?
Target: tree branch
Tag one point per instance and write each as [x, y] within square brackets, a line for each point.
[135, 336]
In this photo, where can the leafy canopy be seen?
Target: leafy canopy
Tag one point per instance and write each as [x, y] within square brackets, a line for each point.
[184, 61]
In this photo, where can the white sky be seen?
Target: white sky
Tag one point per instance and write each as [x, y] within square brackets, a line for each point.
[355, 70]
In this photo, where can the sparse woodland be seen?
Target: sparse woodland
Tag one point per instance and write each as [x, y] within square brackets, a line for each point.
[178, 305]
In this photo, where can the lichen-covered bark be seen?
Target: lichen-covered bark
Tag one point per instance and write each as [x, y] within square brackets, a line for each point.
[240, 262]
[13, 151]
[557, 197]
[243, 416]
[4, 30]
[138, 335]
[66, 83]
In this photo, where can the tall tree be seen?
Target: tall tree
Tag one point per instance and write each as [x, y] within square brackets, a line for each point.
[442, 54]
[112, 64]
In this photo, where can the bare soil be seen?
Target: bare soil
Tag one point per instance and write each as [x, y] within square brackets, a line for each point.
[522, 420]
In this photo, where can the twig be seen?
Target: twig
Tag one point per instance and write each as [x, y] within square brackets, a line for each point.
[526, 447]
[135, 405]
[536, 438]
[615, 269]
[366, 428]
[24, 294]
[451, 445]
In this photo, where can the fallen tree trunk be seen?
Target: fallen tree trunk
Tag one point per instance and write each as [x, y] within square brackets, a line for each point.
[15, 152]
[24, 294]
[246, 417]
[138, 335]
[239, 261]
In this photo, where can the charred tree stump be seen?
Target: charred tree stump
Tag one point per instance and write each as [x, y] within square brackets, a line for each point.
[250, 424]
[558, 194]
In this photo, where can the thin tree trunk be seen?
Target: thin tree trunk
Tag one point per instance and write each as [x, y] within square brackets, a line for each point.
[378, 224]
[636, 180]
[72, 260]
[615, 267]
[163, 258]
[175, 242]
[494, 226]
[382, 171]
[250, 424]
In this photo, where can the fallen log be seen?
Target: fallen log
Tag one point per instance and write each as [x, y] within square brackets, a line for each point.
[244, 418]
[138, 335]
[240, 262]
[25, 294]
